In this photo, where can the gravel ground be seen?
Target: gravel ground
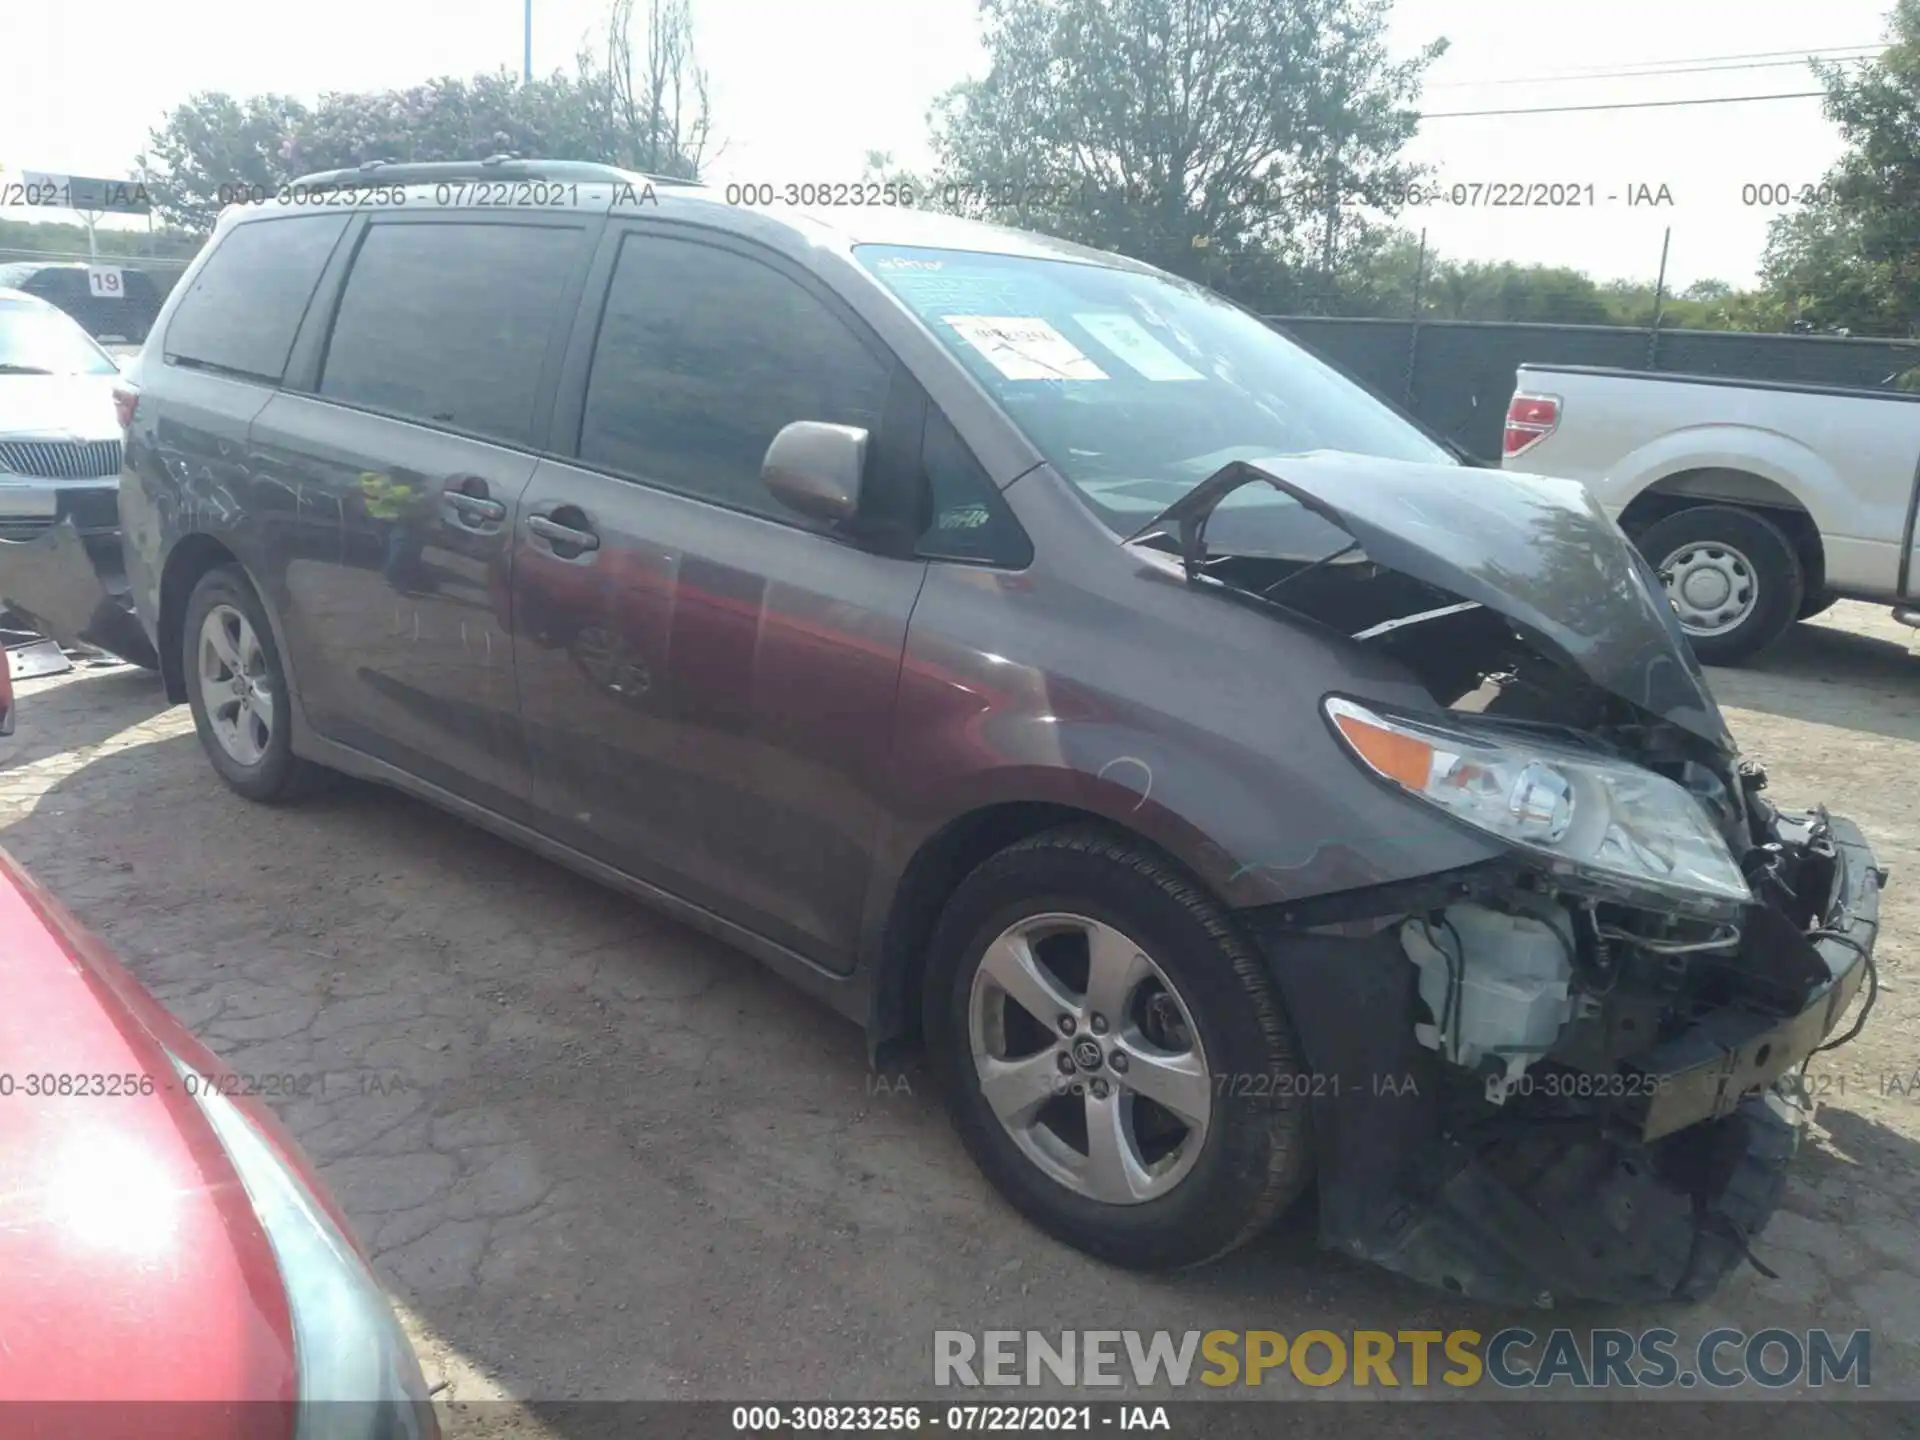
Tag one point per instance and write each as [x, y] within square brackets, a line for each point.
[599, 1156]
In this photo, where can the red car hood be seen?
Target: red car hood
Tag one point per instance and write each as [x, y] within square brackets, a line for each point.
[132, 1265]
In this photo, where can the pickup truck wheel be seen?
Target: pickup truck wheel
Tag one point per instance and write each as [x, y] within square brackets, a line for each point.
[1734, 577]
[1817, 603]
[1113, 1052]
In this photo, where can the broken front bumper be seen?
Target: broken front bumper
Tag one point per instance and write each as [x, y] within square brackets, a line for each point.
[1657, 1202]
[1702, 1074]
[70, 584]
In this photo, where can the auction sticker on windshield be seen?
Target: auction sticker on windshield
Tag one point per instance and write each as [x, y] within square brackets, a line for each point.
[1024, 348]
[1128, 338]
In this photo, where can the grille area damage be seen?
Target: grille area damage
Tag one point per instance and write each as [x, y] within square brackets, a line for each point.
[1533, 1083]
[69, 583]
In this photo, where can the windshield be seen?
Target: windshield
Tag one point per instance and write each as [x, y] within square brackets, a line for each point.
[39, 340]
[1137, 387]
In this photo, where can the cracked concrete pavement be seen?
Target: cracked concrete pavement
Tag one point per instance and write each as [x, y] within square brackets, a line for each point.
[599, 1156]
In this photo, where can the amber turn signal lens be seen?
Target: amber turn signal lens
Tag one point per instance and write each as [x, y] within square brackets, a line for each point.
[1399, 757]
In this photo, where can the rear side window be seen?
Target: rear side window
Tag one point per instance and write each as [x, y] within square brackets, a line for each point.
[703, 356]
[248, 299]
[449, 324]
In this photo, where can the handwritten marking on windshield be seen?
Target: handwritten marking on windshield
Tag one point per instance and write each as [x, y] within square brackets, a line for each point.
[1024, 347]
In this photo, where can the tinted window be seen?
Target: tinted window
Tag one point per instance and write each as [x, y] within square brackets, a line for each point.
[970, 520]
[449, 323]
[248, 299]
[59, 285]
[703, 356]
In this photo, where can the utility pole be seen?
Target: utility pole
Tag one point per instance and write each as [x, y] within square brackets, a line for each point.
[1659, 303]
[1413, 330]
[526, 64]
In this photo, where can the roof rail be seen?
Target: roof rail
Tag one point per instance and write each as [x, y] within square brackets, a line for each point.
[494, 167]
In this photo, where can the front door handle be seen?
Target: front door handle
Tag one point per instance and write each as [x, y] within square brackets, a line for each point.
[476, 507]
[467, 496]
[562, 536]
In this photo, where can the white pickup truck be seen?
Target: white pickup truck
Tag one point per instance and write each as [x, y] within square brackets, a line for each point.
[1760, 503]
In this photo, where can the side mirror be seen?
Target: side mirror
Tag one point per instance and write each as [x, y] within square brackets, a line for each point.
[815, 468]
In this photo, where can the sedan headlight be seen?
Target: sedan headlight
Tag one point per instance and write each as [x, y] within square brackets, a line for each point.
[1582, 813]
[348, 1346]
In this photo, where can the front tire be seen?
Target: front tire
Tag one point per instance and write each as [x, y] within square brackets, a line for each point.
[1735, 579]
[237, 689]
[1151, 1118]
[1817, 603]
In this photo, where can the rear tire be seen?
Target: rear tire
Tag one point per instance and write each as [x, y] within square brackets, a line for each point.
[237, 689]
[1194, 1017]
[1734, 577]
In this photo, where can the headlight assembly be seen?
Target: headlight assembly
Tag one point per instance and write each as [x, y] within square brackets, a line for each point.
[1584, 814]
[358, 1376]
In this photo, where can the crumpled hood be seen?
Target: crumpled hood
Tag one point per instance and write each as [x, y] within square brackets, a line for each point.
[58, 406]
[1540, 552]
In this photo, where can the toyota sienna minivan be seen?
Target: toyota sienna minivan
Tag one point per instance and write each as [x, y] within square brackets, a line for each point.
[1040, 659]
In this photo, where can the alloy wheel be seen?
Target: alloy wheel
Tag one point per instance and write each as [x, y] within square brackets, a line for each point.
[236, 686]
[1089, 1058]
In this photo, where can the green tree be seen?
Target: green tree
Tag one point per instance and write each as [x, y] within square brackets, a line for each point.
[1753, 310]
[1818, 267]
[211, 140]
[652, 103]
[1222, 140]
[639, 101]
[1382, 274]
[1502, 290]
[881, 169]
[1854, 262]
[453, 119]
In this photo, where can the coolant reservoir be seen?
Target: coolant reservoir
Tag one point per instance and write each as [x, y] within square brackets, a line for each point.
[1513, 973]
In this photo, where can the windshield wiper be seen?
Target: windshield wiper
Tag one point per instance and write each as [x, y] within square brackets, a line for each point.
[6, 369]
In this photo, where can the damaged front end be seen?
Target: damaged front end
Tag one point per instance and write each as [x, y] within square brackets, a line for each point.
[69, 583]
[1572, 1072]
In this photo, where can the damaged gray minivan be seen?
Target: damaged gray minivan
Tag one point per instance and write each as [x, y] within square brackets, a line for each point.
[1027, 651]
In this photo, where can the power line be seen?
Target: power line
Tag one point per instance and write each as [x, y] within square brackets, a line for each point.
[1651, 73]
[1818, 52]
[1754, 55]
[1625, 105]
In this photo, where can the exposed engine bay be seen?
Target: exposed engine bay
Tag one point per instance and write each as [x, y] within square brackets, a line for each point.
[1592, 1047]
